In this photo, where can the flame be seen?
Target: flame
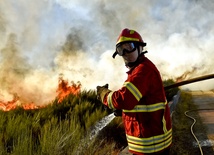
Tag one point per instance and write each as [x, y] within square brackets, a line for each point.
[30, 106]
[14, 103]
[64, 89]
[9, 105]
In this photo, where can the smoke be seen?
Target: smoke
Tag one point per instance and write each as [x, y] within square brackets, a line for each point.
[42, 39]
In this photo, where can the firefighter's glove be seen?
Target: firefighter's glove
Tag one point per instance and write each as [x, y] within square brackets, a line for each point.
[102, 91]
[118, 112]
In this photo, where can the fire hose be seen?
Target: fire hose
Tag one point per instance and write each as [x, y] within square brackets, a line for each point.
[191, 128]
[201, 78]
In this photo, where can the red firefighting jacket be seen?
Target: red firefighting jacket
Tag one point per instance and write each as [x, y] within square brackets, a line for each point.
[146, 114]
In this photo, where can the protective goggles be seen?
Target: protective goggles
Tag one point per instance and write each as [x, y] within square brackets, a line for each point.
[125, 48]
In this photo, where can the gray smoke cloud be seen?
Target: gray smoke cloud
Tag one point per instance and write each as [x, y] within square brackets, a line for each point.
[42, 39]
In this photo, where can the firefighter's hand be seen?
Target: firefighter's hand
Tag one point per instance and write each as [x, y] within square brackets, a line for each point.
[101, 92]
[118, 112]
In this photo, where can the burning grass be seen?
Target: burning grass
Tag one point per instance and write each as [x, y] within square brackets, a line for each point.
[59, 128]
[62, 127]
[63, 90]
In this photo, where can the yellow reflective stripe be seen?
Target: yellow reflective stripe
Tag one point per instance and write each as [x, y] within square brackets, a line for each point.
[164, 124]
[150, 148]
[122, 38]
[164, 121]
[147, 108]
[150, 140]
[133, 90]
[109, 101]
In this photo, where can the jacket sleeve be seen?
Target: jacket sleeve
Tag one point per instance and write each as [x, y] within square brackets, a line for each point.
[133, 89]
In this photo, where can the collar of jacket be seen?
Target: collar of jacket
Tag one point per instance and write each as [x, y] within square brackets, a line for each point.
[140, 59]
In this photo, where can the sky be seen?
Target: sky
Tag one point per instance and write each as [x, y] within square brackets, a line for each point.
[42, 40]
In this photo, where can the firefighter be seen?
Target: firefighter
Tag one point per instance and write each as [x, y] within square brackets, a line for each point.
[145, 111]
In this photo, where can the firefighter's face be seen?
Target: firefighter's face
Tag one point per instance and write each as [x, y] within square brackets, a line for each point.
[130, 57]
